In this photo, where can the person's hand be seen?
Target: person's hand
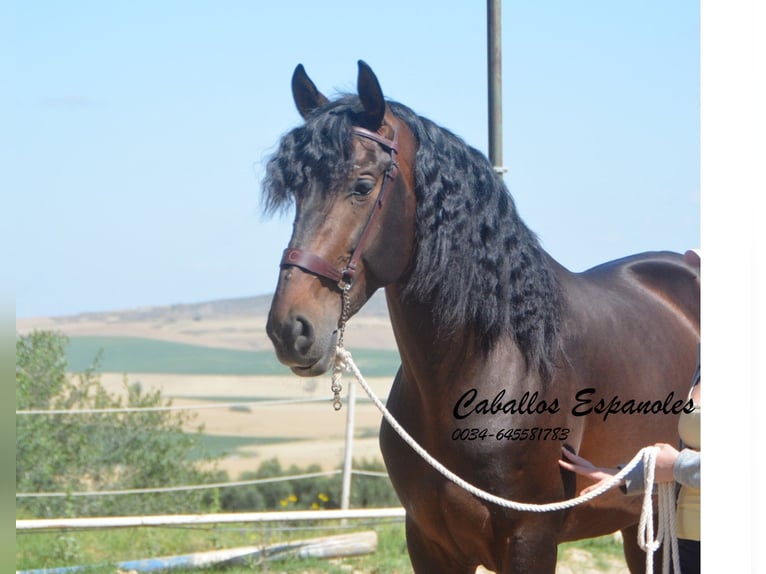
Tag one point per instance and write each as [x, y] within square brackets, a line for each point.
[663, 469]
[584, 467]
[666, 458]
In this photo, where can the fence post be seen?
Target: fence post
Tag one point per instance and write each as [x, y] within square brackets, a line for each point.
[347, 459]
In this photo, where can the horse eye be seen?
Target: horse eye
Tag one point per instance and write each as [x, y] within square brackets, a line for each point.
[363, 187]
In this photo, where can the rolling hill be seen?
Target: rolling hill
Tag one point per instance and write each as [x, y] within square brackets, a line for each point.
[237, 324]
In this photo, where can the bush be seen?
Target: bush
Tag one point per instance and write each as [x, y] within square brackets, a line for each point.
[308, 493]
[98, 451]
[372, 491]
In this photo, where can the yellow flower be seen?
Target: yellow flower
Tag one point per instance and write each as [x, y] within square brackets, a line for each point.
[314, 506]
[292, 498]
[323, 497]
[283, 503]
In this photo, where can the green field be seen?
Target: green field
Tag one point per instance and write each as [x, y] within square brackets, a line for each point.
[134, 355]
[215, 446]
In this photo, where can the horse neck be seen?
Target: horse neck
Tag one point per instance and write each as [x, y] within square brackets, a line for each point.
[429, 357]
[414, 331]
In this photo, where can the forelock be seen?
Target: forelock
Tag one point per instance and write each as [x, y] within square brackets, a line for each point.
[313, 157]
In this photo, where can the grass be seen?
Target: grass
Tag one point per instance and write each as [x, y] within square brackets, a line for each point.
[604, 552]
[136, 355]
[56, 549]
[104, 548]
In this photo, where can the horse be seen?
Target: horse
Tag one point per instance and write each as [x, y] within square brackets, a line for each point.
[506, 356]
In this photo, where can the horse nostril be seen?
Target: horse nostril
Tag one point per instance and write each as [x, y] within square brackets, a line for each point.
[303, 334]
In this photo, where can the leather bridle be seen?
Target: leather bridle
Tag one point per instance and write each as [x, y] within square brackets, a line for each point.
[312, 263]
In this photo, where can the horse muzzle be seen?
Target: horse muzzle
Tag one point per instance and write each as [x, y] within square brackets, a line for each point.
[308, 351]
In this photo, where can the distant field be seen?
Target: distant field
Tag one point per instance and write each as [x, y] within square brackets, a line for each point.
[137, 355]
[195, 375]
[216, 446]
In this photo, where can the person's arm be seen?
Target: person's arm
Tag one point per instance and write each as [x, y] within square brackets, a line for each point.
[633, 483]
[686, 469]
[583, 467]
[664, 470]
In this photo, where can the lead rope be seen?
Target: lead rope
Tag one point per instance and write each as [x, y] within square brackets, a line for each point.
[666, 529]
[646, 540]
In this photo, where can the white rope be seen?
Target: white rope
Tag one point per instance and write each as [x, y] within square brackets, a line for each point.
[666, 530]
[344, 361]
[165, 489]
[116, 410]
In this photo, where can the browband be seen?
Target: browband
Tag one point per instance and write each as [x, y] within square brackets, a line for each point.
[391, 145]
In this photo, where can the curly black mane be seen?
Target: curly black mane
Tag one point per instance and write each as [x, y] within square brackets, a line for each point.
[475, 262]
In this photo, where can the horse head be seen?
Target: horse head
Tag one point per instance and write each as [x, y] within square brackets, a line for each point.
[348, 170]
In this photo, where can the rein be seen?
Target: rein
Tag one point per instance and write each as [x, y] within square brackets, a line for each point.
[666, 530]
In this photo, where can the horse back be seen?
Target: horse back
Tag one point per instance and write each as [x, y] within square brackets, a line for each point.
[665, 276]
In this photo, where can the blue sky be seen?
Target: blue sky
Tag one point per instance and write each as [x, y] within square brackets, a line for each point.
[140, 130]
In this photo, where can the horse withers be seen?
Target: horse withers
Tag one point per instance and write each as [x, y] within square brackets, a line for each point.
[506, 356]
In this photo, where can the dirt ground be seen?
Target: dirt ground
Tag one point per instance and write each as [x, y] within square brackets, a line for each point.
[310, 433]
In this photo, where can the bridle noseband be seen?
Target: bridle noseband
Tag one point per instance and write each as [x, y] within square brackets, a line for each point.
[342, 278]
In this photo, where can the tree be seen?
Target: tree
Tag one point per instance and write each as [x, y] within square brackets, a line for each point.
[97, 451]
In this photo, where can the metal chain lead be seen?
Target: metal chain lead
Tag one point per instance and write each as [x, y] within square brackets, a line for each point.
[336, 388]
[344, 312]
[340, 365]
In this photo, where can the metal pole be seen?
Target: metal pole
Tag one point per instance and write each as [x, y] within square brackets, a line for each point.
[347, 459]
[494, 84]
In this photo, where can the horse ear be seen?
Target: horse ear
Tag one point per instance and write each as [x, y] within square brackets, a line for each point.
[307, 97]
[371, 96]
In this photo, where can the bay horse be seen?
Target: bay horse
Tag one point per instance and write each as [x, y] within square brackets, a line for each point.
[506, 356]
